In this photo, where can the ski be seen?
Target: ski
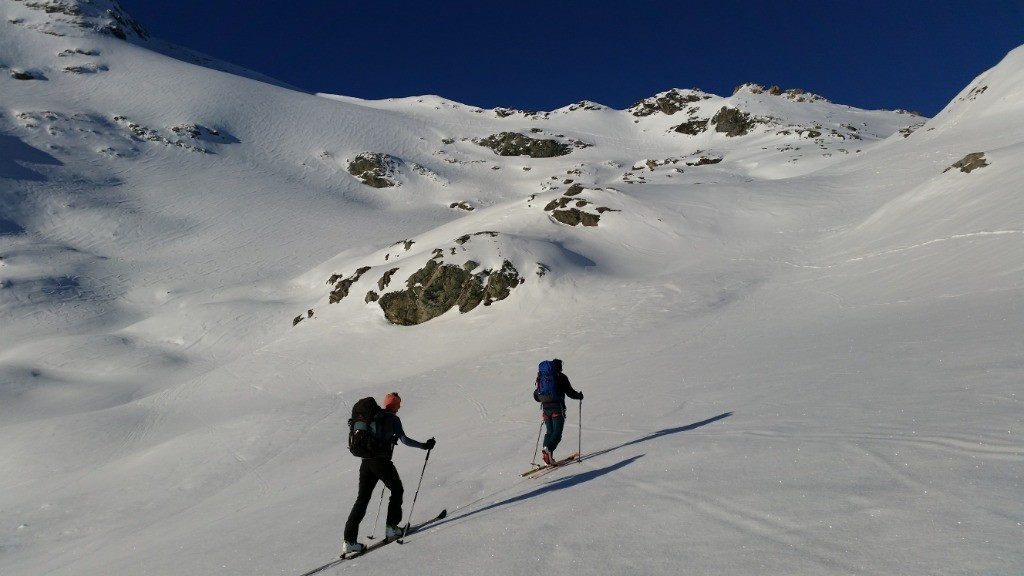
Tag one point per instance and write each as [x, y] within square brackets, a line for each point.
[376, 545]
[561, 462]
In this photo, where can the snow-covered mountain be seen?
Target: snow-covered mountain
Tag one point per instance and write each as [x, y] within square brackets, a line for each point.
[796, 323]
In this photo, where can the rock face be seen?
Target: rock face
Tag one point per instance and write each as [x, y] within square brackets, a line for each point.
[732, 122]
[374, 169]
[574, 216]
[693, 127]
[515, 144]
[437, 288]
[103, 16]
[668, 103]
[969, 163]
[342, 286]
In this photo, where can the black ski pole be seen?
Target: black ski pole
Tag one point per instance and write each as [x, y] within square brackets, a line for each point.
[537, 447]
[415, 496]
[579, 451]
[379, 506]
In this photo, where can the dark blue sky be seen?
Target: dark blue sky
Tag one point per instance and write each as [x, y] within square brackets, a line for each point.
[909, 54]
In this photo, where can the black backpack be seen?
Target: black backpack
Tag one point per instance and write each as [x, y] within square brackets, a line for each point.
[366, 434]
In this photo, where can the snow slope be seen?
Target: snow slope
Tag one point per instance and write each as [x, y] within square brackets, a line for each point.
[802, 359]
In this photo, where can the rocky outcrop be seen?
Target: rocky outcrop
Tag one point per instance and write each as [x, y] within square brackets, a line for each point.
[148, 134]
[342, 286]
[704, 160]
[969, 163]
[575, 217]
[103, 16]
[437, 288]
[668, 103]
[575, 214]
[374, 169]
[515, 144]
[795, 94]
[732, 122]
[693, 127]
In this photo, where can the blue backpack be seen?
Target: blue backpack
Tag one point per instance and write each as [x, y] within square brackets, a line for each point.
[545, 391]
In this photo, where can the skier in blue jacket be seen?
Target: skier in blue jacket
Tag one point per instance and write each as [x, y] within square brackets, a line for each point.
[554, 412]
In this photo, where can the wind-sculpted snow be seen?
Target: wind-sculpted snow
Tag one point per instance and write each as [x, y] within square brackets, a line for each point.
[799, 346]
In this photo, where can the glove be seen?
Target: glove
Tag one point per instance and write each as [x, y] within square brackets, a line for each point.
[429, 444]
[581, 395]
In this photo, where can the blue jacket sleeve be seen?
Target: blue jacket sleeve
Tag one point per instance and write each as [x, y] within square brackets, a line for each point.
[400, 434]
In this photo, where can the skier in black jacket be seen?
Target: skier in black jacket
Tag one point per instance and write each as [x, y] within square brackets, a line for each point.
[554, 412]
[381, 468]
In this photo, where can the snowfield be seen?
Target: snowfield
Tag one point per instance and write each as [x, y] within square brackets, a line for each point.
[801, 347]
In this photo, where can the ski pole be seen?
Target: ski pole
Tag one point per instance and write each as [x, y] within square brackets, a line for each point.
[416, 495]
[579, 451]
[537, 447]
[379, 506]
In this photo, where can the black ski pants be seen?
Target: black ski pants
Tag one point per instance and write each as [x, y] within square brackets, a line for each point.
[370, 471]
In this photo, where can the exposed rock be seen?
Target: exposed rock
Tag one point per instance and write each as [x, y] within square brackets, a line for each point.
[693, 127]
[969, 163]
[22, 75]
[437, 288]
[585, 105]
[795, 94]
[668, 103]
[148, 134]
[506, 112]
[557, 203]
[385, 280]
[574, 190]
[751, 87]
[705, 160]
[575, 216]
[374, 169]
[103, 16]
[467, 237]
[514, 144]
[84, 69]
[905, 132]
[341, 287]
[732, 122]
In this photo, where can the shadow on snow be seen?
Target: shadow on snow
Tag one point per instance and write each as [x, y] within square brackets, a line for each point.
[658, 434]
[582, 477]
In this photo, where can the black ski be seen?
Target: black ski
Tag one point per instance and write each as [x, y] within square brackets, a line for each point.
[374, 546]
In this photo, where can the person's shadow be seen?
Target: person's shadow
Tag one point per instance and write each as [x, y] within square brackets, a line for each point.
[658, 434]
[580, 478]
